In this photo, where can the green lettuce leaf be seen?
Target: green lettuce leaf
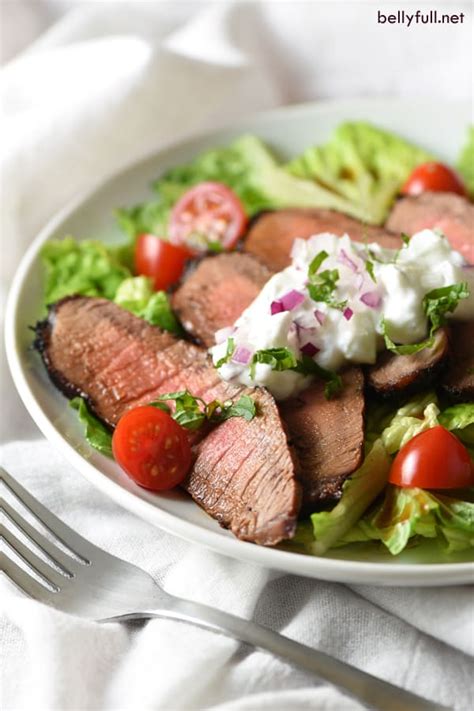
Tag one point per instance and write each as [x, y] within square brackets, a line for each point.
[404, 427]
[257, 177]
[459, 419]
[89, 268]
[358, 493]
[95, 432]
[364, 165]
[465, 163]
[136, 295]
[408, 512]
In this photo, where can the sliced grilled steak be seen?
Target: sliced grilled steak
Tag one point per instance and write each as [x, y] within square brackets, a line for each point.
[459, 378]
[217, 292]
[393, 374]
[271, 236]
[450, 213]
[328, 436]
[243, 473]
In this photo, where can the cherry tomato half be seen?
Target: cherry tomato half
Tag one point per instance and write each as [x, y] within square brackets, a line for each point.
[433, 177]
[209, 217]
[152, 448]
[162, 261]
[434, 459]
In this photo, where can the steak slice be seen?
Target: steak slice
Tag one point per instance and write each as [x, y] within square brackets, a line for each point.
[243, 472]
[328, 436]
[217, 292]
[450, 213]
[271, 235]
[459, 378]
[394, 373]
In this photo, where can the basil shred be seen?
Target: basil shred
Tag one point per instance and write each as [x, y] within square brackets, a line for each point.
[436, 304]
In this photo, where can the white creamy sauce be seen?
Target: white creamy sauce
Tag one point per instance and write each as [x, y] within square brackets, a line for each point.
[352, 334]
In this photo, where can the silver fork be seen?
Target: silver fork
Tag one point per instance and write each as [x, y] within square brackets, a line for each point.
[98, 586]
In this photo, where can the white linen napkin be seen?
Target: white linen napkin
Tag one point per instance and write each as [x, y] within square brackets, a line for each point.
[110, 81]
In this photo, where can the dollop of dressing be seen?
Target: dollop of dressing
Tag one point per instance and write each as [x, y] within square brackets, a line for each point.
[374, 286]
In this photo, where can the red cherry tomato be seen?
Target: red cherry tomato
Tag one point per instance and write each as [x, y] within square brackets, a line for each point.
[209, 217]
[433, 177]
[434, 459]
[152, 448]
[162, 261]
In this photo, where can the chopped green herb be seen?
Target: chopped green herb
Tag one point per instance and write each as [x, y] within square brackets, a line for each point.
[244, 407]
[277, 358]
[369, 266]
[439, 302]
[333, 381]
[322, 285]
[436, 304]
[284, 359]
[405, 239]
[408, 349]
[191, 412]
[316, 262]
[228, 353]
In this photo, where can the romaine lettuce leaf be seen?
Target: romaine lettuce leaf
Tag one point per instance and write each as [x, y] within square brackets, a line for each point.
[403, 427]
[364, 165]
[258, 178]
[95, 432]
[358, 493]
[408, 512]
[460, 420]
[232, 165]
[465, 163]
[89, 268]
[136, 295]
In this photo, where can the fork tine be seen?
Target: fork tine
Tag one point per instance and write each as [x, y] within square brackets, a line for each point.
[78, 545]
[63, 561]
[51, 576]
[24, 581]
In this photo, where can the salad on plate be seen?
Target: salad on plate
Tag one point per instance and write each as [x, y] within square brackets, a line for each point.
[290, 342]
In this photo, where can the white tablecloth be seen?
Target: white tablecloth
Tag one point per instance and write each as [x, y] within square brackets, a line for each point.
[109, 81]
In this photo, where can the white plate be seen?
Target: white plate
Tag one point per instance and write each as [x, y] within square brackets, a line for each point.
[438, 127]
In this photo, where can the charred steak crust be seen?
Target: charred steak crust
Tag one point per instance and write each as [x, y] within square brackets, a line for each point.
[458, 380]
[393, 374]
[217, 292]
[41, 343]
[244, 473]
[271, 235]
[328, 436]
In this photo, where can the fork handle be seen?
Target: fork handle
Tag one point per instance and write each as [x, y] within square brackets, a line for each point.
[374, 692]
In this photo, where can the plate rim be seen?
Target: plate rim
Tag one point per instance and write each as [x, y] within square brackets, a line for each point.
[338, 570]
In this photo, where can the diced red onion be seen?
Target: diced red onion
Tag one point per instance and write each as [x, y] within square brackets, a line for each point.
[287, 302]
[345, 259]
[223, 334]
[348, 313]
[292, 299]
[276, 307]
[320, 316]
[242, 355]
[309, 349]
[371, 299]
